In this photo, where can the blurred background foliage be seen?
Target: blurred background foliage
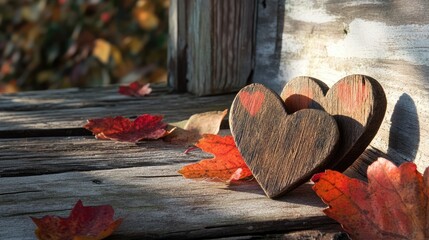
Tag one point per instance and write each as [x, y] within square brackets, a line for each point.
[48, 44]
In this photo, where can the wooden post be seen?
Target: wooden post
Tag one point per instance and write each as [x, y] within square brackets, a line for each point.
[177, 45]
[219, 45]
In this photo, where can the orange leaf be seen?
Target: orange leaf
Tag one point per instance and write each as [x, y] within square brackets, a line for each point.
[89, 223]
[227, 164]
[10, 87]
[392, 205]
[123, 129]
[146, 19]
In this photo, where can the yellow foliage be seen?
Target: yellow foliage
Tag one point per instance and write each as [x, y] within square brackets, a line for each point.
[102, 50]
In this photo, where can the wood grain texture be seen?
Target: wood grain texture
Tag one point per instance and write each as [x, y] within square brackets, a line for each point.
[48, 155]
[357, 103]
[283, 151]
[220, 40]
[70, 108]
[387, 40]
[157, 203]
[47, 175]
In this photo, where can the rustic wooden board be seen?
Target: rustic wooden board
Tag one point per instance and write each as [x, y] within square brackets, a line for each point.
[71, 108]
[332, 39]
[158, 203]
[70, 97]
[46, 155]
[47, 175]
[283, 151]
[37, 156]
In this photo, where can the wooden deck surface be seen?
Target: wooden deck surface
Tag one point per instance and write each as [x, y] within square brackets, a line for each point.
[48, 162]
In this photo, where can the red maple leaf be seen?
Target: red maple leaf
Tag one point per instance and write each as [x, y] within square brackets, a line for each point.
[392, 205]
[135, 89]
[123, 129]
[89, 223]
[227, 165]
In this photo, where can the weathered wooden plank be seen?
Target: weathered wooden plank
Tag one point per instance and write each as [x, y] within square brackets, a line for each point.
[382, 39]
[37, 156]
[71, 108]
[157, 203]
[78, 98]
[68, 98]
[221, 38]
[327, 234]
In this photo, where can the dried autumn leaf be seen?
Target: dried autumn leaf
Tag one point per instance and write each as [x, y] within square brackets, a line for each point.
[89, 223]
[392, 205]
[206, 123]
[227, 164]
[10, 87]
[102, 50]
[146, 19]
[123, 129]
[135, 89]
[190, 131]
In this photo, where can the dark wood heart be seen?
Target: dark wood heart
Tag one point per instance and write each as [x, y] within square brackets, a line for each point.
[357, 102]
[282, 151]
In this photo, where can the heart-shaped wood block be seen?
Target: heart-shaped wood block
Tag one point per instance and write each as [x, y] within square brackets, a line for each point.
[357, 102]
[282, 151]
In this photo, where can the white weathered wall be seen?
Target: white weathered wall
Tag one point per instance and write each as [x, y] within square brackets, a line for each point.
[388, 40]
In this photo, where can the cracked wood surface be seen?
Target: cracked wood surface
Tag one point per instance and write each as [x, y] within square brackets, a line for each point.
[44, 173]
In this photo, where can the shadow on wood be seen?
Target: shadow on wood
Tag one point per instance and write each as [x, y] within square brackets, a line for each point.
[404, 137]
[302, 195]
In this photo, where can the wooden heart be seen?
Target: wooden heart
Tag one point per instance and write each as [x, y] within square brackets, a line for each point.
[357, 103]
[282, 151]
